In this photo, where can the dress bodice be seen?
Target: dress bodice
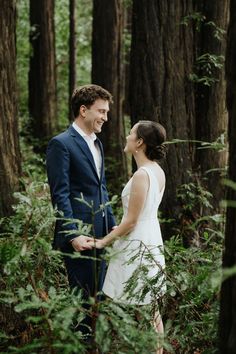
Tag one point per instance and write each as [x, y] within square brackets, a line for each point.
[154, 197]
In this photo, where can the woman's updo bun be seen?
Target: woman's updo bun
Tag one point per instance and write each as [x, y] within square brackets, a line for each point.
[157, 152]
[153, 135]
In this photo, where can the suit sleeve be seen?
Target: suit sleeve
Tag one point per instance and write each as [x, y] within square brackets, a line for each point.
[110, 217]
[58, 168]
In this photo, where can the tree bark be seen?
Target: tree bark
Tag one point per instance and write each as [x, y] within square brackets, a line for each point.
[108, 71]
[227, 327]
[10, 168]
[72, 56]
[211, 117]
[161, 61]
[42, 73]
[127, 47]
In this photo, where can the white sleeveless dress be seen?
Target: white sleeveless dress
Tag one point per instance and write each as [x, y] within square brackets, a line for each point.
[145, 241]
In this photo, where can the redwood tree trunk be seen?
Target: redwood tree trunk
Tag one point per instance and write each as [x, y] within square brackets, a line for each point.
[227, 328]
[72, 56]
[161, 61]
[42, 74]
[9, 143]
[108, 71]
[211, 118]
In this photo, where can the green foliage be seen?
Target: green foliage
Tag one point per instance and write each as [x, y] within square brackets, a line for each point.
[125, 329]
[219, 144]
[62, 59]
[40, 312]
[199, 20]
[23, 55]
[83, 25]
[217, 31]
[193, 195]
[84, 39]
[191, 305]
[196, 17]
[34, 290]
[206, 64]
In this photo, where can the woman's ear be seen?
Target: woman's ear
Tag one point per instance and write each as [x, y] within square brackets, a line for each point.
[140, 141]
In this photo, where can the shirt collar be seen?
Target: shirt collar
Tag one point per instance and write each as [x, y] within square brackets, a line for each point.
[82, 133]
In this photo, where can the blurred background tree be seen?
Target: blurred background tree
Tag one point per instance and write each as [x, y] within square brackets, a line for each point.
[42, 71]
[10, 157]
[227, 327]
[172, 56]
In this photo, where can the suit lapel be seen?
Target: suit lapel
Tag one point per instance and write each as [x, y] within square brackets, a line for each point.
[102, 155]
[85, 149]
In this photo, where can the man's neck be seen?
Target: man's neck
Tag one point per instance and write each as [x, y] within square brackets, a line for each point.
[79, 122]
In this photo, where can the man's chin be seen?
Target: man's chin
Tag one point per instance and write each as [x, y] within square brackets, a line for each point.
[98, 130]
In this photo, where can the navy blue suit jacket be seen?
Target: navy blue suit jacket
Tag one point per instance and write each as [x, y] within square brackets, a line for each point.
[72, 174]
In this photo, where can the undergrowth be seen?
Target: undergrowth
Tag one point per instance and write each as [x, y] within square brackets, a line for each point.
[39, 312]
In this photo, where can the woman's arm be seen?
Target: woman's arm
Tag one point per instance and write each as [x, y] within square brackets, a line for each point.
[138, 194]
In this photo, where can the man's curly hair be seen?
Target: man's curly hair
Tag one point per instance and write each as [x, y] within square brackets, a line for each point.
[86, 95]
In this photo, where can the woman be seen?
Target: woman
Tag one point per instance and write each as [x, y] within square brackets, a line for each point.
[141, 198]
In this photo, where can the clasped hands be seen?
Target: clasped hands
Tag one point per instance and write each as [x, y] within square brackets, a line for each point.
[83, 243]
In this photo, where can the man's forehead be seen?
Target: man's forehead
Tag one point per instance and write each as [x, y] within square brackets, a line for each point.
[101, 104]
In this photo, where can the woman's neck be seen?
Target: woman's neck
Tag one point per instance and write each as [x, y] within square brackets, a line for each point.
[142, 160]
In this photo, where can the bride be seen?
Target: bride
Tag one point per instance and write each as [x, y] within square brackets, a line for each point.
[139, 227]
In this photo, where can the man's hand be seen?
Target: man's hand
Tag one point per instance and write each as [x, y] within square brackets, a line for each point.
[82, 243]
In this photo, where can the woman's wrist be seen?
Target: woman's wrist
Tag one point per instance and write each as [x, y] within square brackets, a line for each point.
[105, 242]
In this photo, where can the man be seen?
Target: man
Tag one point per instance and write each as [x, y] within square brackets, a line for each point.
[75, 167]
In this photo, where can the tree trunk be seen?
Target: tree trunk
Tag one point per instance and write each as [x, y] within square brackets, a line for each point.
[108, 71]
[161, 61]
[211, 118]
[72, 56]
[42, 73]
[9, 138]
[127, 47]
[227, 327]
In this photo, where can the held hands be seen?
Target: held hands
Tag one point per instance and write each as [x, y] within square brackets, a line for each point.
[83, 243]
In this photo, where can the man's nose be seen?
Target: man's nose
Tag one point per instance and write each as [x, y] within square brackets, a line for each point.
[105, 117]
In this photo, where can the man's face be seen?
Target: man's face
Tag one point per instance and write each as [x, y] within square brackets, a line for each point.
[95, 116]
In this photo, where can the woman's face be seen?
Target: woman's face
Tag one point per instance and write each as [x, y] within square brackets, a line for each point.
[131, 141]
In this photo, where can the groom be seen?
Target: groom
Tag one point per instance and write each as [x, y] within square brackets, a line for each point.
[75, 168]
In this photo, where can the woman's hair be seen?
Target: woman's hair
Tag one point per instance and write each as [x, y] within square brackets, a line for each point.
[153, 135]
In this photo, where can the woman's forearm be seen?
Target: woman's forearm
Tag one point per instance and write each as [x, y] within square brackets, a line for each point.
[121, 230]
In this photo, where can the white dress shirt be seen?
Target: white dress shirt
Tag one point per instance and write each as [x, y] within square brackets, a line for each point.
[95, 151]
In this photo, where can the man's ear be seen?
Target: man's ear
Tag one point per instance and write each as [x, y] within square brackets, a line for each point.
[82, 110]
